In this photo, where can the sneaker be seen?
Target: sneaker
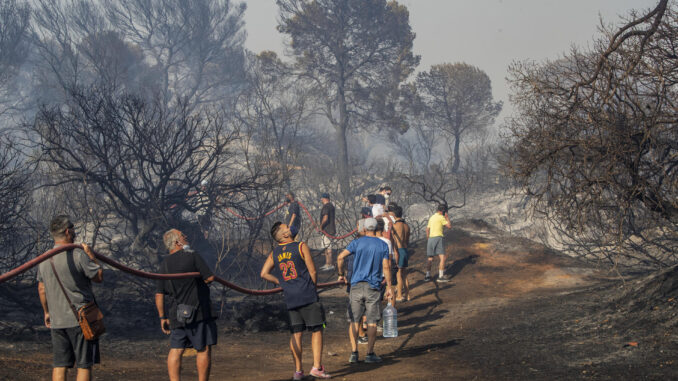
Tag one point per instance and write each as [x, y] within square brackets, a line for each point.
[372, 358]
[427, 278]
[442, 279]
[319, 373]
[298, 375]
[362, 340]
[327, 268]
[354, 358]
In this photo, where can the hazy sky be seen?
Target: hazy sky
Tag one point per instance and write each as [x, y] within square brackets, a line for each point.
[489, 34]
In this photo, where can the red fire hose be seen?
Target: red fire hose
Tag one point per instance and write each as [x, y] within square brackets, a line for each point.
[144, 274]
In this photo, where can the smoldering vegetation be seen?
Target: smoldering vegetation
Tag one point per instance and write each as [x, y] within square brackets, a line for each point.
[134, 116]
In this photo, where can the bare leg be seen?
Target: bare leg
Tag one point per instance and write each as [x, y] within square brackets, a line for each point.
[441, 266]
[399, 287]
[317, 347]
[352, 336]
[174, 363]
[59, 374]
[428, 264]
[295, 347]
[406, 282]
[84, 374]
[371, 337]
[204, 363]
[328, 256]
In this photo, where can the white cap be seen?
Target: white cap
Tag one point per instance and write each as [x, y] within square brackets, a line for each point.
[370, 224]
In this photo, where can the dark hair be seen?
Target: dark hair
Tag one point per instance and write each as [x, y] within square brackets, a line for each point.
[275, 228]
[59, 224]
[442, 208]
[372, 199]
[386, 188]
[398, 211]
[392, 206]
[291, 194]
[380, 225]
[366, 211]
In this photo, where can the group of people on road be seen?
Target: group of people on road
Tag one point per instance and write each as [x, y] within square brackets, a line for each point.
[370, 265]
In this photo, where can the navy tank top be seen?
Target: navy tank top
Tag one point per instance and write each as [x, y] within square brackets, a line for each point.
[290, 269]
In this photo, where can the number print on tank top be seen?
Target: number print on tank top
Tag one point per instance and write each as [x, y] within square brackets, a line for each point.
[288, 270]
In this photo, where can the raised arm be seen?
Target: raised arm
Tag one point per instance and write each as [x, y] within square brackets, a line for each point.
[447, 219]
[99, 276]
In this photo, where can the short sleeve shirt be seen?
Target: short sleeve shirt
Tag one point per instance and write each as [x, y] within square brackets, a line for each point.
[368, 253]
[390, 246]
[75, 270]
[328, 227]
[380, 199]
[377, 210]
[435, 225]
[294, 209]
[191, 291]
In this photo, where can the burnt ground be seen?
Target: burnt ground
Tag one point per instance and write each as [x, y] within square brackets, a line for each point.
[515, 310]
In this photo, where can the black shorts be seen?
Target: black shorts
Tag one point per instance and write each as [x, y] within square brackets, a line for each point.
[69, 348]
[310, 317]
[196, 335]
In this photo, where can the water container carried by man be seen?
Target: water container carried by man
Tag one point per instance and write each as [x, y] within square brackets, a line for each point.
[390, 316]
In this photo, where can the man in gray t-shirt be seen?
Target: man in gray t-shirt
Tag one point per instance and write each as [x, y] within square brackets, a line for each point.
[76, 269]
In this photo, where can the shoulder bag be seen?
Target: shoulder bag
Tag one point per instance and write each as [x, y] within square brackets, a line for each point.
[89, 316]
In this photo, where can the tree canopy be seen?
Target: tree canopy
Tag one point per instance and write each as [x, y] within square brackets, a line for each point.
[355, 53]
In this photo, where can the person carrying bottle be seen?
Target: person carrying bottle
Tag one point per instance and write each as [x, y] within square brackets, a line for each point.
[370, 259]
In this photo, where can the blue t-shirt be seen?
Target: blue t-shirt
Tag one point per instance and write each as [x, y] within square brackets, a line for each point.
[368, 252]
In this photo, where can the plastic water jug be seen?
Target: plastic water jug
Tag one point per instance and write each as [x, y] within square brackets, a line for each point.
[390, 316]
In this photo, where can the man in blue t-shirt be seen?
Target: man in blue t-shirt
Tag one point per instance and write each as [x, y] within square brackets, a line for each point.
[370, 260]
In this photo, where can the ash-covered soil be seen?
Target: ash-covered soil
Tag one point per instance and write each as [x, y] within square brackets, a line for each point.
[515, 310]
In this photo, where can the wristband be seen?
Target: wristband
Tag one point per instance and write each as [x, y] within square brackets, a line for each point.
[340, 274]
[163, 317]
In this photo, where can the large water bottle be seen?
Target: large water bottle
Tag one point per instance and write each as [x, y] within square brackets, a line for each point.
[390, 316]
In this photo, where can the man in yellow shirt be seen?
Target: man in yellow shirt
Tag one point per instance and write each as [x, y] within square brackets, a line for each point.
[435, 246]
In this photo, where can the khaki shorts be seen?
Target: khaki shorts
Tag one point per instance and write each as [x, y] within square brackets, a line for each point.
[327, 242]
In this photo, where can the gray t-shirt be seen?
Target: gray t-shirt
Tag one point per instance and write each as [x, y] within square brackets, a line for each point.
[75, 270]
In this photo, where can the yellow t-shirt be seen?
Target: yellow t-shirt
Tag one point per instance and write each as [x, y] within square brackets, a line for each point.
[435, 225]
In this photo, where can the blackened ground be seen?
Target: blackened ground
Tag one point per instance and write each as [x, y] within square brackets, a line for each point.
[515, 310]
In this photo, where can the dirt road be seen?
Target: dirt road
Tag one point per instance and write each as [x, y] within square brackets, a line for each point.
[514, 310]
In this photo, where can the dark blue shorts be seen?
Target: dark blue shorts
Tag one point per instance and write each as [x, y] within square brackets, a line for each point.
[196, 335]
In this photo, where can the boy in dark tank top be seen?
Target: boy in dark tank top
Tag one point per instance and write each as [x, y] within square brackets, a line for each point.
[291, 266]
